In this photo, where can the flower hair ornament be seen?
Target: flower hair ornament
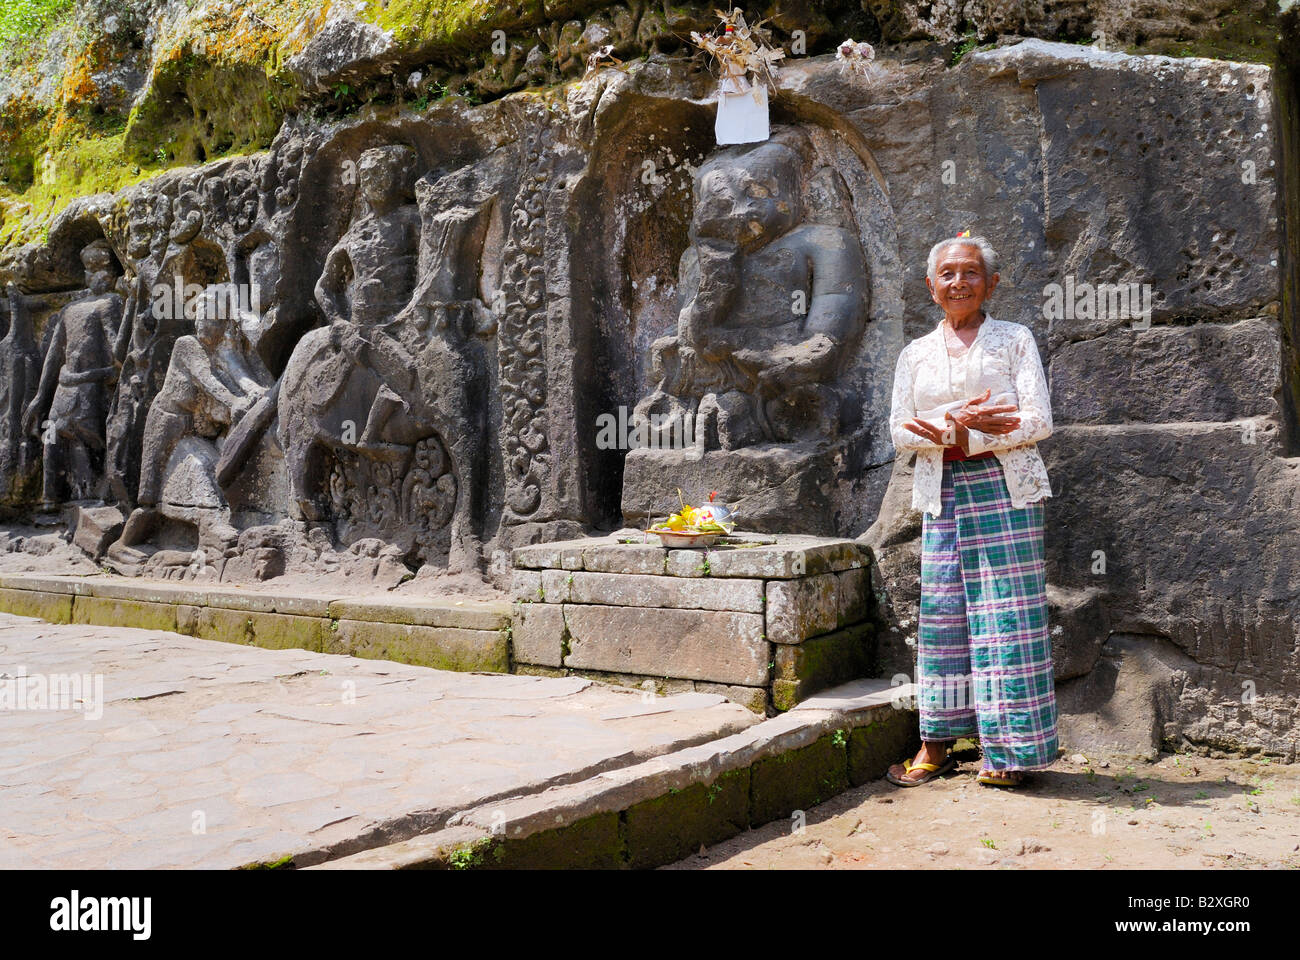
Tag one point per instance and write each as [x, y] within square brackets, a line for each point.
[963, 234]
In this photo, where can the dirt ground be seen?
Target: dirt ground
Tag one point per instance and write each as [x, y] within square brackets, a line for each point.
[1085, 813]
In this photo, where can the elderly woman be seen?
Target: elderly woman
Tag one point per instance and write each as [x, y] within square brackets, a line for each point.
[971, 399]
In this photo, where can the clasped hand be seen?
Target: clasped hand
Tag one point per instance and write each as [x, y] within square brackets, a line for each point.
[973, 415]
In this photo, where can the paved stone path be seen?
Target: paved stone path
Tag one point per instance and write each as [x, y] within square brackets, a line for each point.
[214, 755]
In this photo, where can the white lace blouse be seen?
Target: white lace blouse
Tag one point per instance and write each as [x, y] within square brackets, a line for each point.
[1004, 359]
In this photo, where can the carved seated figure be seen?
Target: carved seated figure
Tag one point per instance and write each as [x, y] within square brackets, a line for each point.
[772, 306]
[773, 302]
[212, 380]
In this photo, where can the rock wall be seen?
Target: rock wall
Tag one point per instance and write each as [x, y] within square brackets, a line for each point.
[434, 321]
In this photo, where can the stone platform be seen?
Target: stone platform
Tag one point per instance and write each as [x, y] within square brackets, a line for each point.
[763, 620]
[447, 634]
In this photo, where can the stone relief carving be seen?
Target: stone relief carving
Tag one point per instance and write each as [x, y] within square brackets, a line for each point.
[79, 370]
[773, 291]
[772, 306]
[381, 412]
[213, 379]
[522, 343]
[20, 370]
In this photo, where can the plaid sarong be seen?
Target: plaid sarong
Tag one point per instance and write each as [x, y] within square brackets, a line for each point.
[984, 657]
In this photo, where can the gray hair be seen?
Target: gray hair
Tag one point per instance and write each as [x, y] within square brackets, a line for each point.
[988, 255]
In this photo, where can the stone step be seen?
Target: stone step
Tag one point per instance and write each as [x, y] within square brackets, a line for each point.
[763, 643]
[450, 634]
[659, 811]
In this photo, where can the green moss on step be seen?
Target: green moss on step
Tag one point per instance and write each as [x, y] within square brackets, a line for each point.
[51, 607]
[124, 613]
[673, 826]
[796, 780]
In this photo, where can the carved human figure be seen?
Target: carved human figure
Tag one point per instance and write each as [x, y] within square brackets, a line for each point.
[144, 341]
[391, 370]
[370, 274]
[71, 403]
[771, 306]
[369, 278]
[213, 379]
[20, 368]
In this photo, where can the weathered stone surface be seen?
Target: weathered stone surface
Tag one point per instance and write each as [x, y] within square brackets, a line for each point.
[853, 599]
[272, 631]
[794, 556]
[751, 698]
[97, 527]
[565, 555]
[286, 603]
[833, 745]
[124, 613]
[527, 585]
[557, 585]
[590, 844]
[721, 647]
[686, 563]
[144, 591]
[624, 558]
[1209, 371]
[344, 50]
[638, 590]
[875, 747]
[1079, 626]
[648, 687]
[470, 614]
[674, 825]
[295, 754]
[28, 581]
[446, 648]
[54, 607]
[537, 634]
[1122, 706]
[821, 662]
[798, 609]
[799, 779]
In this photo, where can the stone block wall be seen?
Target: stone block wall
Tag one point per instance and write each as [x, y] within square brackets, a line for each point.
[765, 621]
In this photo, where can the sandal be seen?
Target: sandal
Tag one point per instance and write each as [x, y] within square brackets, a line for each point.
[931, 771]
[993, 778]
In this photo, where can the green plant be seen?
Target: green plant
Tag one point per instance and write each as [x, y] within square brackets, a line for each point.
[968, 43]
[470, 855]
[988, 843]
[341, 90]
[28, 19]
[838, 739]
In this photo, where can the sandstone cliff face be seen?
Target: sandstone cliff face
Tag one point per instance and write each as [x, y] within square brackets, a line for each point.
[452, 295]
